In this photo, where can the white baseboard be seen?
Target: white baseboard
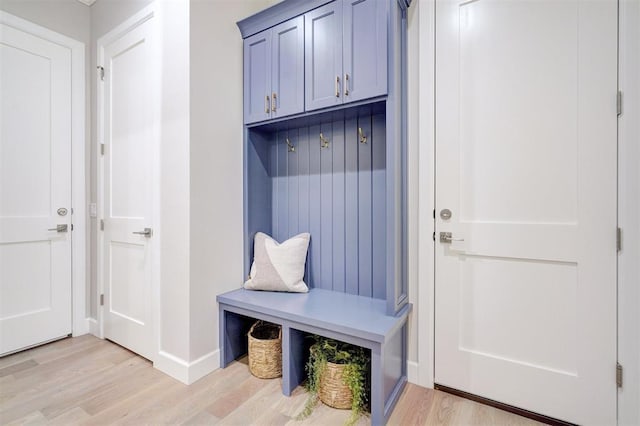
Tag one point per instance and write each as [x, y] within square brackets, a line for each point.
[412, 372]
[94, 327]
[187, 372]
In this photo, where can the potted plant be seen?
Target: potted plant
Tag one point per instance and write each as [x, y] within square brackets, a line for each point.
[337, 374]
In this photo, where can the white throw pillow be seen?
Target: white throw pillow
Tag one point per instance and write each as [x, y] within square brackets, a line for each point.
[278, 267]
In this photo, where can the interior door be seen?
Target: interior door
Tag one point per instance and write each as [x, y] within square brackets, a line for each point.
[526, 187]
[35, 190]
[131, 118]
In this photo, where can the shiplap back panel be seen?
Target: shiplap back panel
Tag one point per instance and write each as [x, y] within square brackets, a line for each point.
[337, 194]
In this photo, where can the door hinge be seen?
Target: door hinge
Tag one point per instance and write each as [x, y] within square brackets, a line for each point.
[72, 226]
[618, 239]
[434, 236]
[102, 224]
[618, 374]
[102, 300]
[619, 103]
[101, 149]
[101, 72]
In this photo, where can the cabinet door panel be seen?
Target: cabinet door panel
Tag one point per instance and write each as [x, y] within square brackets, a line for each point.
[287, 85]
[365, 49]
[257, 77]
[323, 56]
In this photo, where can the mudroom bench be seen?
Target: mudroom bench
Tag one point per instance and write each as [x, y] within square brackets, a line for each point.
[354, 319]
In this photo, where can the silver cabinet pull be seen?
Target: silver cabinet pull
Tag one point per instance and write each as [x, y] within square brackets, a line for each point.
[346, 84]
[337, 86]
[147, 232]
[273, 101]
[60, 228]
[266, 105]
[447, 237]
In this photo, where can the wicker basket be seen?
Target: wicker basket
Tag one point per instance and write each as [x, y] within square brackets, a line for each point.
[265, 352]
[332, 389]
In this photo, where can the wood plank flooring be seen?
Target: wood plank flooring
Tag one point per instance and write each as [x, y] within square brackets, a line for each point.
[88, 381]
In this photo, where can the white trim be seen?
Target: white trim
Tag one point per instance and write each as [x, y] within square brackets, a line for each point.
[413, 371]
[152, 11]
[80, 325]
[87, 2]
[187, 372]
[426, 179]
[629, 213]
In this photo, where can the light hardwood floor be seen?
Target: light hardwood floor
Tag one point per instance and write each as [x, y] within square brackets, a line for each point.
[85, 380]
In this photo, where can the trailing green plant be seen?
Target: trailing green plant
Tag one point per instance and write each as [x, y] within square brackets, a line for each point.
[356, 361]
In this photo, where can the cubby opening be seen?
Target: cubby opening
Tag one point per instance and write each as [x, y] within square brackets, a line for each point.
[326, 175]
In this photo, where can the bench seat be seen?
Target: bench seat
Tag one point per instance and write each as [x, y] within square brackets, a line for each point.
[349, 318]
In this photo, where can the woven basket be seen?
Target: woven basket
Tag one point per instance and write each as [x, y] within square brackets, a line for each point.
[332, 389]
[265, 355]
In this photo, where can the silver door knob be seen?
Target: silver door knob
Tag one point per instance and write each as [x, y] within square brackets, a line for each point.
[147, 232]
[447, 237]
[60, 228]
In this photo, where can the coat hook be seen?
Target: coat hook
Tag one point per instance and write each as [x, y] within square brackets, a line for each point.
[324, 142]
[290, 146]
[363, 138]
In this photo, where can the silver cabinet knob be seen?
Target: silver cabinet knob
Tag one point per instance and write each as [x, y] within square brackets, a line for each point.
[147, 232]
[60, 228]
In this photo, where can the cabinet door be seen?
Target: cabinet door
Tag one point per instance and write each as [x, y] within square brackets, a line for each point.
[287, 62]
[257, 77]
[323, 56]
[365, 49]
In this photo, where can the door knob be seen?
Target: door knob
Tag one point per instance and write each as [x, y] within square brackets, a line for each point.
[445, 214]
[447, 237]
[147, 232]
[60, 228]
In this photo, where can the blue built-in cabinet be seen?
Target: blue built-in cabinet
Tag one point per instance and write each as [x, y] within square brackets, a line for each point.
[274, 72]
[346, 45]
[325, 153]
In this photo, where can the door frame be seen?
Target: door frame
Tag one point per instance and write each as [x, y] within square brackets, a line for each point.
[79, 164]
[152, 11]
[425, 287]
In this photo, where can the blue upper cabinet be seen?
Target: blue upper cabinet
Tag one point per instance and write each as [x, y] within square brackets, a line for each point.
[257, 77]
[323, 60]
[365, 49]
[346, 45]
[274, 72]
[287, 68]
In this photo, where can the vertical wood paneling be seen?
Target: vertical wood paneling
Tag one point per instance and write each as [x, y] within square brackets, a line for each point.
[364, 208]
[338, 243]
[326, 207]
[282, 191]
[351, 206]
[273, 170]
[293, 183]
[379, 213]
[315, 212]
[302, 148]
[338, 195]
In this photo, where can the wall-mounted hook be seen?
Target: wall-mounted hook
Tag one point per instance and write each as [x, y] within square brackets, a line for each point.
[290, 146]
[363, 137]
[324, 142]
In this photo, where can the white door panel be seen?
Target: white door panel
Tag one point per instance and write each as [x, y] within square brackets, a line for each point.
[526, 162]
[35, 181]
[131, 138]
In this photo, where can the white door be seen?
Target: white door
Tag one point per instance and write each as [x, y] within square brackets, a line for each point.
[35, 190]
[526, 163]
[131, 141]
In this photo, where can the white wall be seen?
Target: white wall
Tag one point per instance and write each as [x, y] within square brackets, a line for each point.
[216, 162]
[629, 214]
